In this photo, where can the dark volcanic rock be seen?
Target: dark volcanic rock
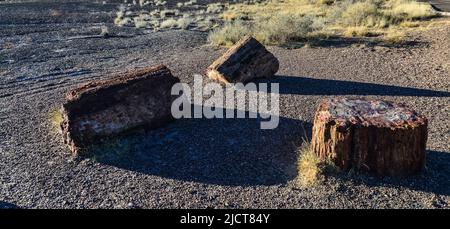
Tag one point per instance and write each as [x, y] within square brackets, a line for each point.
[129, 101]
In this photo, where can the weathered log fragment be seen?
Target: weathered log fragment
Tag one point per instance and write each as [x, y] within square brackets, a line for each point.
[132, 100]
[378, 137]
[244, 61]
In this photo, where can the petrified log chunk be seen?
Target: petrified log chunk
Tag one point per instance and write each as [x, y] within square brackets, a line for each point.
[379, 137]
[133, 100]
[244, 61]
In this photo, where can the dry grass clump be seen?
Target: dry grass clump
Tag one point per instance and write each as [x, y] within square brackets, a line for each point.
[123, 21]
[56, 118]
[190, 3]
[409, 9]
[181, 23]
[311, 169]
[409, 24]
[365, 13]
[359, 31]
[160, 3]
[122, 18]
[169, 23]
[394, 37]
[283, 28]
[308, 166]
[229, 33]
[184, 22]
[215, 8]
[142, 21]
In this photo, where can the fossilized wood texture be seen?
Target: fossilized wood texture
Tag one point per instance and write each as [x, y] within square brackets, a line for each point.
[379, 137]
[133, 100]
[246, 60]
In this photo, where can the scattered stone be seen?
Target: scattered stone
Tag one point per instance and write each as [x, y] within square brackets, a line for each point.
[133, 100]
[378, 137]
[244, 61]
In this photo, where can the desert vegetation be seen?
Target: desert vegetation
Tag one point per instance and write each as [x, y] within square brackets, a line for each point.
[278, 22]
[157, 15]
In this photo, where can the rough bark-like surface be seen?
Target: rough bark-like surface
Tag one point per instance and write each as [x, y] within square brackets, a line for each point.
[246, 60]
[133, 100]
[379, 137]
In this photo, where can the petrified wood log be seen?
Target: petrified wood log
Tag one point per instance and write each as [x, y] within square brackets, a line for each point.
[132, 100]
[378, 137]
[244, 61]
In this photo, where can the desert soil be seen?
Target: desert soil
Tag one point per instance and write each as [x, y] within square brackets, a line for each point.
[47, 48]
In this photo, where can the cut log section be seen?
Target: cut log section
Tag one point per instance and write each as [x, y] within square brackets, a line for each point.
[132, 100]
[378, 137]
[244, 61]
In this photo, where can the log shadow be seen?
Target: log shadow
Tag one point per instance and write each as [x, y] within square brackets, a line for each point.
[233, 152]
[342, 42]
[435, 178]
[311, 86]
[6, 205]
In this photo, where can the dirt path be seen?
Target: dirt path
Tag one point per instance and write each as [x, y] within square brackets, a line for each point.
[199, 163]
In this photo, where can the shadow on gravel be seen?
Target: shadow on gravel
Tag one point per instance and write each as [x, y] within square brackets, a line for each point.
[434, 179]
[342, 42]
[5, 205]
[232, 152]
[311, 86]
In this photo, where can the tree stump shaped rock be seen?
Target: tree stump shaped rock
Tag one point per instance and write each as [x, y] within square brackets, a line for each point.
[246, 60]
[378, 137]
[138, 99]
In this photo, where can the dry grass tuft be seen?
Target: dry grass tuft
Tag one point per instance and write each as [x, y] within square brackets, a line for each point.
[141, 21]
[308, 166]
[365, 13]
[283, 28]
[409, 9]
[184, 22]
[215, 8]
[56, 118]
[169, 23]
[409, 24]
[394, 37]
[228, 34]
[311, 169]
[359, 31]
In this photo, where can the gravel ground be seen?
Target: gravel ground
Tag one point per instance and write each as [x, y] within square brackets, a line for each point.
[200, 163]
